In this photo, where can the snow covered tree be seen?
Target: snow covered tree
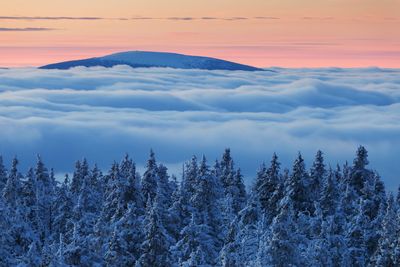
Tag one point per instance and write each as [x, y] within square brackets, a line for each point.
[329, 195]
[316, 177]
[359, 174]
[232, 183]
[243, 236]
[296, 187]
[45, 198]
[282, 245]
[270, 188]
[357, 247]
[3, 175]
[63, 208]
[7, 244]
[150, 179]
[181, 210]
[385, 253]
[12, 190]
[80, 173]
[315, 217]
[113, 195]
[196, 236]
[117, 253]
[155, 247]
[124, 248]
[131, 192]
[29, 199]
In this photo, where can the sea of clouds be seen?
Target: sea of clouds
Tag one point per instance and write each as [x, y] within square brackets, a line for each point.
[101, 114]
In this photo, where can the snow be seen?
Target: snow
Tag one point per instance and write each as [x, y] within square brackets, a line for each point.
[154, 59]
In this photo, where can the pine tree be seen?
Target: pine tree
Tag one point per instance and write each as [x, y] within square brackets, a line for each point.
[113, 195]
[317, 176]
[63, 207]
[85, 212]
[281, 248]
[243, 235]
[296, 187]
[357, 247]
[232, 183]
[196, 236]
[45, 198]
[359, 174]
[329, 195]
[12, 189]
[77, 179]
[205, 201]
[117, 253]
[373, 208]
[124, 247]
[385, 253]
[132, 192]
[229, 255]
[150, 179]
[7, 244]
[155, 247]
[182, 208]
[29, 199]
[3, 175]
[270, 188]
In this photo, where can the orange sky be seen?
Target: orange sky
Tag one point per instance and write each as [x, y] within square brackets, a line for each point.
[287, 33]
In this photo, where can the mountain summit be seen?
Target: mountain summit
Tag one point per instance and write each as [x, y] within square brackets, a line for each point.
[141, 59]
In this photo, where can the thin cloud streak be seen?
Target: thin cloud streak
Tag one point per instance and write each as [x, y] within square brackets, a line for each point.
[183, 18]
[48, 18]
[29, 29]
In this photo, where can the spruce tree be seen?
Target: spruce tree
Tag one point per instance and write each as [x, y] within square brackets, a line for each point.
[357, 248]
[316, 178]
[282, 244]
[12, 190]
[150, 179]
[7, 244]
[45, 198]
[63, 207]
[385, 254]
[3, 175]
[155, 247]
[296, 188]
[329, 195]
[270, 188]
[359, 175]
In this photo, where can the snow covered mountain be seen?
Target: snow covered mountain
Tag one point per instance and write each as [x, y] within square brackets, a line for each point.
[141, 59]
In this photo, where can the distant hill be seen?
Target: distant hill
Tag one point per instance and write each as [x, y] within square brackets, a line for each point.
[141, 59]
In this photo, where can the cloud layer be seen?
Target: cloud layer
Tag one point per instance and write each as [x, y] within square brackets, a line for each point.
[103, 113]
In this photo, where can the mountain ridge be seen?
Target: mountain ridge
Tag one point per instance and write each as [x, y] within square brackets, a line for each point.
[148, 59]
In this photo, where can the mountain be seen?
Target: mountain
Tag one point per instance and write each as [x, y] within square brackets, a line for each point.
[141, 59]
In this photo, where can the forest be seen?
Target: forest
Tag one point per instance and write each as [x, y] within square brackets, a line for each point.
[319, 216]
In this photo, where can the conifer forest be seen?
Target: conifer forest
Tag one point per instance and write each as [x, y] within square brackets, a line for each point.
[316, 215]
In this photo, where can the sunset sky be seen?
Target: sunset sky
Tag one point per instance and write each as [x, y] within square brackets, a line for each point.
[287, 33]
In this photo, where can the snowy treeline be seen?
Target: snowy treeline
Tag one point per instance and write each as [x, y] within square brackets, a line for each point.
[323, 216]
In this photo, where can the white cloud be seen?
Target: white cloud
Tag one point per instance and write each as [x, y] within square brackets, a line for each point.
[103, 113]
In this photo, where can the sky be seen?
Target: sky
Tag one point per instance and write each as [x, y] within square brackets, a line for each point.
[101, 114]
[287, 33]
